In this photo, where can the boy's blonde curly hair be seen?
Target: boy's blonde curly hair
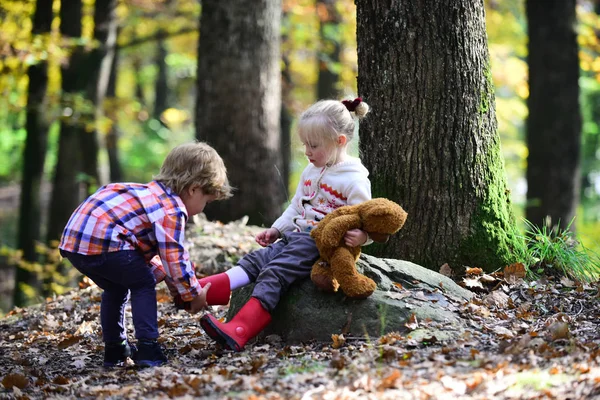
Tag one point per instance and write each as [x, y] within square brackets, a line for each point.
[195, 163]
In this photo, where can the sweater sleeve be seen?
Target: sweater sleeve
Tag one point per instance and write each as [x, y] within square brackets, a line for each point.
[360, 191]
[285, 223]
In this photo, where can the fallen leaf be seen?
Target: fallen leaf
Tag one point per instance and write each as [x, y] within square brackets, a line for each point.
[412, 322]
[15, 380]
[446, 270]
[338, 341]
[514, 273]
[390, 380]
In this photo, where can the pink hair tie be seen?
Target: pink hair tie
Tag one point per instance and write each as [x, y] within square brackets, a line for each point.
[352, 104]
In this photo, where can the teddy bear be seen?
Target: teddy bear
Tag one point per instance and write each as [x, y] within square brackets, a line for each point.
[336, 267]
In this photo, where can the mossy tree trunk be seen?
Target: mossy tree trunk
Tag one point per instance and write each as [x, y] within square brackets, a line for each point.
[431, 141]
[554, 121]
[238, 104]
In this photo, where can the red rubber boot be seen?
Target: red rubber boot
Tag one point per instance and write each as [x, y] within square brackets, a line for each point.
[219, 292]
[247, 323]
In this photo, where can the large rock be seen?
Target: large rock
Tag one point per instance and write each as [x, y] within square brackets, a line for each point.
[305, 313]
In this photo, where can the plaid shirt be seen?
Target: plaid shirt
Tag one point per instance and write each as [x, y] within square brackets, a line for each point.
[149, 218]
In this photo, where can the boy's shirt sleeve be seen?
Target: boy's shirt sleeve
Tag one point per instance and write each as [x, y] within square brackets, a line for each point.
[175, 258]
[157, 269]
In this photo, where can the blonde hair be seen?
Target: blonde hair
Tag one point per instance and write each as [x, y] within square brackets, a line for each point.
[198, 164]
[326, 120]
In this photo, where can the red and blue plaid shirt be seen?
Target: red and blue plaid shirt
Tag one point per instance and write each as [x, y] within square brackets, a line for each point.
[149, 218]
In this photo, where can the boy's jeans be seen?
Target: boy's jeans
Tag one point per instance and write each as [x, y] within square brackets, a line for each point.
[120, 273]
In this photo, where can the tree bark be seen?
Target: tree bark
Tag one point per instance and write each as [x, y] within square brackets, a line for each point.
[554, 122]
[431, 141]
[34, 156]
[238, 104]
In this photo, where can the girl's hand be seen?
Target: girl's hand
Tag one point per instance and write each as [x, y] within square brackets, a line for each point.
[355, 237]
[199, 303]
[267, 237]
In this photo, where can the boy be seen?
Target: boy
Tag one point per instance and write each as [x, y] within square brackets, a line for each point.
[127, 236]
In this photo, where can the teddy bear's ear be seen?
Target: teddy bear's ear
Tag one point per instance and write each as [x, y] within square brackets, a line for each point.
[382, 216]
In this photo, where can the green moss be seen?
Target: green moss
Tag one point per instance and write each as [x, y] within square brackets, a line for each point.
[487, 91]
[495, 241]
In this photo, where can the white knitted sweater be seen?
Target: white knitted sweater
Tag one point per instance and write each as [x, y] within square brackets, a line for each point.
[322, 190]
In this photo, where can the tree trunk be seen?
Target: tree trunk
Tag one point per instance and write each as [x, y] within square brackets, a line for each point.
[328, 55]
[161, 85]
[101, 62]
[34, 156]
[238, 104]
[112, 136]
[431, 141]
[67, 191]
[554, 122]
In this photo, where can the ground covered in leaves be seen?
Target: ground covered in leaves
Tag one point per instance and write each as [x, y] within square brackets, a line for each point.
[523, 340]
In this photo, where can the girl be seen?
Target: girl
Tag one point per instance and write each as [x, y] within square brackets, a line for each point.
[332, 179]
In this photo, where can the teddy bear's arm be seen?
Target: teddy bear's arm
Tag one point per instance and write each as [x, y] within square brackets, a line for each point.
[334, 230]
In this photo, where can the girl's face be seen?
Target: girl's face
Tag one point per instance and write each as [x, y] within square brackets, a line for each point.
[318, 154]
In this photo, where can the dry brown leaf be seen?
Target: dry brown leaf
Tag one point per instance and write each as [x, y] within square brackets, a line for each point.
[60, 380]
[412, 322]
[15, 380]
[397, 295]
[338, 341]
[338, 361]
[559, 330]
[566, 282]
[69, 341]
[473, 271]
[514, 273]
[497, 298]
[446, 270]
[472, 283]
[390, 380]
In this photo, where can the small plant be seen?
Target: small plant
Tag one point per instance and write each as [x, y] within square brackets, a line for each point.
[555, 250]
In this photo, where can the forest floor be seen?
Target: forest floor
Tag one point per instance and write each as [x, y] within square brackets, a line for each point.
[524, 340]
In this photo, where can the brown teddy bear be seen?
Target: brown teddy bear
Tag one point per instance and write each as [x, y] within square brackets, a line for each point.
[336, 268]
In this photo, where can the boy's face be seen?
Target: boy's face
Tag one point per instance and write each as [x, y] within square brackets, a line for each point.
[195, 200]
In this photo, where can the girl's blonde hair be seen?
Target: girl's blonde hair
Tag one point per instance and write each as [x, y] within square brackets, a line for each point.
[193, 164]
[326, 120]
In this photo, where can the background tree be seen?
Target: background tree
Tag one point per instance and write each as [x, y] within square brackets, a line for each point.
[238, 104]
[554, 121]
[112, 136]
[34, 156]
[328, 54]
[66, 191]
[102, 63]
[431, 141]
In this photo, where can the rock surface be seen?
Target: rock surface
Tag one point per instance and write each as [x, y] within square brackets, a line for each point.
[406, 294]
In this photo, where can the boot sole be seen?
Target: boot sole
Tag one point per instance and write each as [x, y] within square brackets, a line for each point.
[149, 363]
[218, 335]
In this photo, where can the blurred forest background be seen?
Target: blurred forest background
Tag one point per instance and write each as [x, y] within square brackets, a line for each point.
[125, 75]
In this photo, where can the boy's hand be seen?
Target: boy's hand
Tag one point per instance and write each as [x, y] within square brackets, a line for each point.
[267, 237]
[355, 237]
[199, 303]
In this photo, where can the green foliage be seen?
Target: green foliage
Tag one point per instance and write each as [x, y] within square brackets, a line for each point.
[555, 251]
